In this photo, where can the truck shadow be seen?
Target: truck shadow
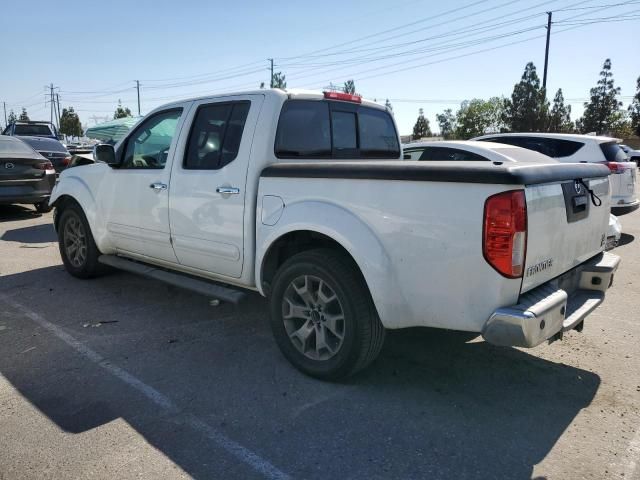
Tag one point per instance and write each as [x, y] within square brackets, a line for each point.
[32, 234]
[432, 406]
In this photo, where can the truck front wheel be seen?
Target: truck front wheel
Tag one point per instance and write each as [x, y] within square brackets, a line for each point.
[322, 315]
[77, 248]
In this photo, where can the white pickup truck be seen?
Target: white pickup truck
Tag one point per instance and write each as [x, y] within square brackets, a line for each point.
[304, 197]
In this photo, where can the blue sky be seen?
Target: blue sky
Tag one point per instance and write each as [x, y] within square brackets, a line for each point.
[419, 54]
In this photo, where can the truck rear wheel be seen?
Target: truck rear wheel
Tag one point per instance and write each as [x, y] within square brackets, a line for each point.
[77, 248]
[322, 315]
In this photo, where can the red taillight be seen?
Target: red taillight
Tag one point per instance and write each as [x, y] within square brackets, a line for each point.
[66, 161]
[44, 166]
[504, 239]
[616, 167]
[345, 97]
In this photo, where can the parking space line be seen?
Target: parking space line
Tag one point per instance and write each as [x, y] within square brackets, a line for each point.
[232, 447]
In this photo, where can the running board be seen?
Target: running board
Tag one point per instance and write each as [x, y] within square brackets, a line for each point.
[203, 287]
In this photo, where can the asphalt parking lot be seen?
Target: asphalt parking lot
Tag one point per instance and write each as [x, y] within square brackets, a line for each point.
[123, 377]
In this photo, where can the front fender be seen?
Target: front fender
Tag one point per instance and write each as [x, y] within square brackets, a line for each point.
[75, 187]
[353, 234]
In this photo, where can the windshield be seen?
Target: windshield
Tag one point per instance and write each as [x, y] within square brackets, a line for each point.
[31, 129]
[14, 146]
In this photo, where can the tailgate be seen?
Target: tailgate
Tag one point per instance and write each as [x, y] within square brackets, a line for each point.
[565, 228]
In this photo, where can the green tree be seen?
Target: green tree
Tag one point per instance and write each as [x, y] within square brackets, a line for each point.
[122, 112]
[70, 123]
[421, 128]
[478, 117]
[634, 110]
[387, 104]
[349, 87]
[620, 125]
[527, 109]
[447, 123]
[600, 113]
[23, 116]
[560, 115]
[278, 80]
[12, 117]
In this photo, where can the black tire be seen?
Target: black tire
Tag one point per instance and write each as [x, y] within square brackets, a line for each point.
[89, 266]
[43, 207]
[362, 332]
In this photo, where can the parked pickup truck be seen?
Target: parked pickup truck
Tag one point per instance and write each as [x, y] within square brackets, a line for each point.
[304, 198]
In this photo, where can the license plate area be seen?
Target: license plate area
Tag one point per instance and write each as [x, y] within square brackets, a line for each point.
[576, 200]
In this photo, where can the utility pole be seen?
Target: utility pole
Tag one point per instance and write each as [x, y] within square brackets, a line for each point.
[58, 117]
[4, 104]
[51, 101]
[271, 80]
[546, 52]
[138, 88]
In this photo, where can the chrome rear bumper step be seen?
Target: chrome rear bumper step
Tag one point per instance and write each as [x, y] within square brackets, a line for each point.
[186, 282]
[548, 310]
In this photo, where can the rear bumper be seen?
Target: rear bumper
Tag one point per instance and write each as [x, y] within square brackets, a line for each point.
[555, 307]
[27, 191]
[623, 209]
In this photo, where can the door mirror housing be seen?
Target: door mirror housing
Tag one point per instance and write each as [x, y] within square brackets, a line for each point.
[103, 152]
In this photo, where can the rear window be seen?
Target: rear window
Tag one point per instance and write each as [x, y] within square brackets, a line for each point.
[322, 129]
[551, 147]
[37, 130]
[11, 145]
[613, 153]
[45, 145]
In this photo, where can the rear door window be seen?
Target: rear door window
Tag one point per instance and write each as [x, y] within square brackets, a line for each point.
[215, 136]
[323, 129]
[613, 153]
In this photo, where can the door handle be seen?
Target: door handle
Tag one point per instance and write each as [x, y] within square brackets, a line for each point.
[158, 186]
[228, 190]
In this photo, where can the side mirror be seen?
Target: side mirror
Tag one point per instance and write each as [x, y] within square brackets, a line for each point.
[103, 152]
[60, 136]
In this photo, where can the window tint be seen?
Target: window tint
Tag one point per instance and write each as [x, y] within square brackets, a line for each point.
[215, 136]
[344, 130]
[552, 147]
[148, 146]
[613, 152]
[377, 134]
[303, 130]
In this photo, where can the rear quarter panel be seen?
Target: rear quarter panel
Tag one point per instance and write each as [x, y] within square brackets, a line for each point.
[418, 244]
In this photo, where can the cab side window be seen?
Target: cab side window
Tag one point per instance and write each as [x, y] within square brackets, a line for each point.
[215, 136]
[148, 146]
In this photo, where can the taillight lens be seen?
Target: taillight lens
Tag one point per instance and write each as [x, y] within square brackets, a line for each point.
[616, 167]
[44, 166]
[504, 239]
[66, 161]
